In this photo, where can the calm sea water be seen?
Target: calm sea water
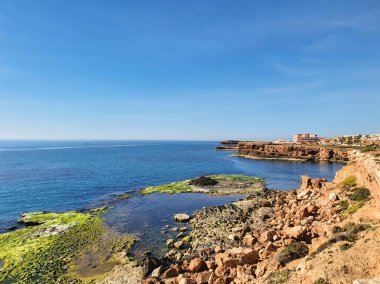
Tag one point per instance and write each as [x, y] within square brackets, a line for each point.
[74, 175]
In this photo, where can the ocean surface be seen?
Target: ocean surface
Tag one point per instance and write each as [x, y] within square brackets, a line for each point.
[76, 175]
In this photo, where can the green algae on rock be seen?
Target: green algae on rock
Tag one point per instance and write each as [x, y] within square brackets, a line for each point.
[44, 251]
[226, 185]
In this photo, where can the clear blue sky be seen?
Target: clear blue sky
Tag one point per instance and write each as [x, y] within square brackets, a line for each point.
[188, 69]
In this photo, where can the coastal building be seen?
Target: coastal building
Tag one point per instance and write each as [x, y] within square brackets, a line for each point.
[305, 138]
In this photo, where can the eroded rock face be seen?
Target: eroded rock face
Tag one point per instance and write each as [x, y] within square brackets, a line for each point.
[366, 170]
[269, 150]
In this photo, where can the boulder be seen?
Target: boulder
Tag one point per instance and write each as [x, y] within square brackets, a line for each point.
[203, 181]
[186, 281]
[182, 217]
[236, 256]
[197, 264]
[267, 236]
[294, 232]
[171, 272]
[249, 240]
[203, 277]
[178, 244]
[157, 272]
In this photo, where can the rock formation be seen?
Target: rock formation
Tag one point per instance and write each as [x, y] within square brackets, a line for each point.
[325, 232]
[267, 150]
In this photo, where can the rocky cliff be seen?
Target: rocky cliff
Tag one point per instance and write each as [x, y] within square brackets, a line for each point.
[365, 167]
[267, 150]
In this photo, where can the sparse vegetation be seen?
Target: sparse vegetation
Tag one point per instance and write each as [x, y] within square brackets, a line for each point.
[291, 252]
[344, 205]
[345, 246]
[279, 276]
[320, 280]
[349, 181]
[186, 185]
[360, 194]
[368, 149]
[347, 233]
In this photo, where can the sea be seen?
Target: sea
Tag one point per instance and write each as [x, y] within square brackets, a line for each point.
[79, 175]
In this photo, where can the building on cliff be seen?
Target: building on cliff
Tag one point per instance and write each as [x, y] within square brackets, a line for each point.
[305, 138]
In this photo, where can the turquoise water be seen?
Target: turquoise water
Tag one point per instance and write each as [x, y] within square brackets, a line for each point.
[75, 175]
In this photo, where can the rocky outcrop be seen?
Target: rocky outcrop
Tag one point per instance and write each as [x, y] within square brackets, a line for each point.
[268, 150]
[228, 145]
[310, 235]
[365, 167]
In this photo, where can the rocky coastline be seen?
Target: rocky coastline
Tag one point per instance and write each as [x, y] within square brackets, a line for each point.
[268, 150]
[324, 232]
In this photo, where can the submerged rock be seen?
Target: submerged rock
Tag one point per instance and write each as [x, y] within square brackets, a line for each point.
[182, 217]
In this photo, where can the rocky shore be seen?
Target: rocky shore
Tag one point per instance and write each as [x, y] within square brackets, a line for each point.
[324, 232]
[268, 150]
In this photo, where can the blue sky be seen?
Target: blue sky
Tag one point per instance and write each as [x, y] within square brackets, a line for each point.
[199, 70]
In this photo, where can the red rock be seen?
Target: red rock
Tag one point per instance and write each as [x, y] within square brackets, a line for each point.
[236, 256]
[171, 272]
[312, 208]
[203, 277]
[211, 264]
[249, 240]
[266, 236]
[294, 232]
[197, 264]
[151, 280]
[221, 280]
[186, 281]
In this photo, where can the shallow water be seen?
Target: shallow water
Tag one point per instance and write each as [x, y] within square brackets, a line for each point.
[146, 216]
[74, 175]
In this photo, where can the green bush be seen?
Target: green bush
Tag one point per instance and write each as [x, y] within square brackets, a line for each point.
[279, 276]
[344, 205]
[291, 252]
[345, 246]
[360, 194]
[320, 280]
[349, 181]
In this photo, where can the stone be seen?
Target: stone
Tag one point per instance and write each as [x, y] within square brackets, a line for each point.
[236, 256]
[302, 213]
[203, 277]
[333, 196]
[170, 242]
[211, 264]
[218, 249]
[312, 208]
[182, 217]
[151, 280]
[178, 244]
[249, 240]
[171, 272]
[197, 265]
[186, 281]
[266, 236]
[157, 272]
[295, 232]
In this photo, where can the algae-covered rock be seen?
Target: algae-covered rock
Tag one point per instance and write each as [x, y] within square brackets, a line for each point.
[47, 250]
